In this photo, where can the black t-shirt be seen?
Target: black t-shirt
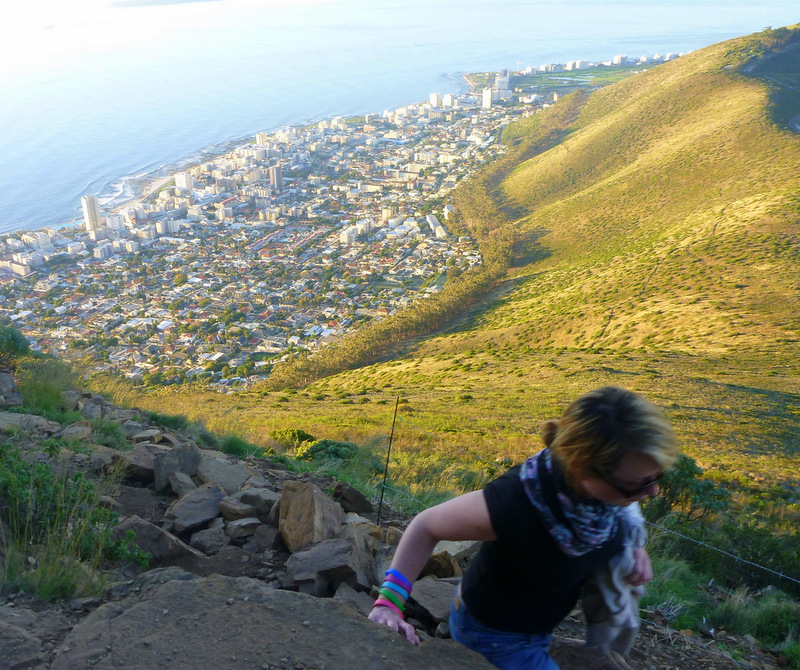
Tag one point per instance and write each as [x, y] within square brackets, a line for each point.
[522, 582]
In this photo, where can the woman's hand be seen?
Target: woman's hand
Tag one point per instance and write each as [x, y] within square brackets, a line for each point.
[642, 568]
[390, 618]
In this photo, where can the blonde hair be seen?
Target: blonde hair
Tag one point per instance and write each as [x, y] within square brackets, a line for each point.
[599, 428]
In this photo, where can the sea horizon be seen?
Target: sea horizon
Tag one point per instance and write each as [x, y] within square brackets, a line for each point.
[125, 90]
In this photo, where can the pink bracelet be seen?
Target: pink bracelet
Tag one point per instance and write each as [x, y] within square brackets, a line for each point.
[382, 602]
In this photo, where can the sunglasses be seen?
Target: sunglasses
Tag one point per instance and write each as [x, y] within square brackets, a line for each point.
[632, 493]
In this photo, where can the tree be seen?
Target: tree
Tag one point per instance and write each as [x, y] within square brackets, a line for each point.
[13, 345]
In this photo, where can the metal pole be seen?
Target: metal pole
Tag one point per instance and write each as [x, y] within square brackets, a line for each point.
[386, 467]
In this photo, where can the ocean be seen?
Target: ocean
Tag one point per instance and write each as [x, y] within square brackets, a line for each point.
[97, 94]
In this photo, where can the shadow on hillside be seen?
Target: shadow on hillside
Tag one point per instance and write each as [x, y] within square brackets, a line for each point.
[528, 250]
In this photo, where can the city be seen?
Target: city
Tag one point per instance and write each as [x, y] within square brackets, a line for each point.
[286, 242]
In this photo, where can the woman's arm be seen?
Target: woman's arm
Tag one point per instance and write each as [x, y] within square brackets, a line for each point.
[462, 518]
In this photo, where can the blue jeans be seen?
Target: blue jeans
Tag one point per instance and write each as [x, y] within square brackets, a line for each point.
[509, 651]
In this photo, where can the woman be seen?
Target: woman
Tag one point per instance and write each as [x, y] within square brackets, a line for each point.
[546, 526]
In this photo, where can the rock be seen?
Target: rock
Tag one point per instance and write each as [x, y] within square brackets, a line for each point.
[27, 422]
[195, 508]
[307, 515]
[320, 569]
[230, 508]
[257, 481]
[459, 550]
[82, 430]
[181, 483]
[131, 428]
[162, 546]
[91, 410]
[230, 476]
[241, 624]
[7, 383]
[140, 502]
[120, 416]
[11, 400]
[358, 600]
[101, 458]
[442, 565]
[393, 535]
[184, 458]
[138, 463]
[351, 500]
[69, 400]
[147, 435]
[210, 540]
[242, 528]
[23, 633]
[262, 499]
[434, 597]
[267, 538]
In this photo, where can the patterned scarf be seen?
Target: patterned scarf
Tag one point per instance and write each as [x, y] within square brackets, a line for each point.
[578, 525]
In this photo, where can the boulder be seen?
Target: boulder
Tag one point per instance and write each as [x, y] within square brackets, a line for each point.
[184, 458]
[162, 546]
[138, 464]
[351, 500]
[210, 540]
[262, 499]
[434, 597]
[91, 410]
[101, 458]
[442, 565]
[241, 624]
[27, 635]
[131, 428]
[230, 476]
[320, 569]
[393, 535]
[138, 501]
[27, 422]
[358, 600]
[81, 430]
[147, 435]
[460, 550]
[195, 508]
[181, 483]
[230, 508]
[70, 399]
[240, 529]
[307, 515]
[266, 537]
[119, 415]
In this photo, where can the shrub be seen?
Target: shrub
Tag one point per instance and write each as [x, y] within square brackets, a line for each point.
[13, 346]
[291, 438]
[236, 446]
[326, 449]
[53, 531]
[175, 422]
[41, 383]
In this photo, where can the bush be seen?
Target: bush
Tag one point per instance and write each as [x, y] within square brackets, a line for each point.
[53, 531]
[236, 446]
[41, 383]
[175, 422]
[291, 438]
[326, 449]
[13, 346]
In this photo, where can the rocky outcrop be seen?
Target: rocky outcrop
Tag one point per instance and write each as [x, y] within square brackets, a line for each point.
[241, 624]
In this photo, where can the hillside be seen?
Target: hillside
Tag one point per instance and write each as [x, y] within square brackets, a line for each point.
[651, 235]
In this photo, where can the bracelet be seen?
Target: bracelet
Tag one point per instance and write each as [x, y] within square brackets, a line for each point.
[386, 594]
[394, 580]
[403, 579]
[380, 602]
[399, 589]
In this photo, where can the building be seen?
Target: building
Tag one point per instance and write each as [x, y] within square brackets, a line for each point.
[276, 177]
[184, 180]
[486, 98]
[436, 100]
[92, 218]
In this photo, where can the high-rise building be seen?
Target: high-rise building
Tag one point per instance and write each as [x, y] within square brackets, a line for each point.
[486, 98]
[92, 219]
[184, 180]
[276, 177]
[436, 100]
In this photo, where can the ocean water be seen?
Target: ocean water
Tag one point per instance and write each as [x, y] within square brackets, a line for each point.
[95, 93]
